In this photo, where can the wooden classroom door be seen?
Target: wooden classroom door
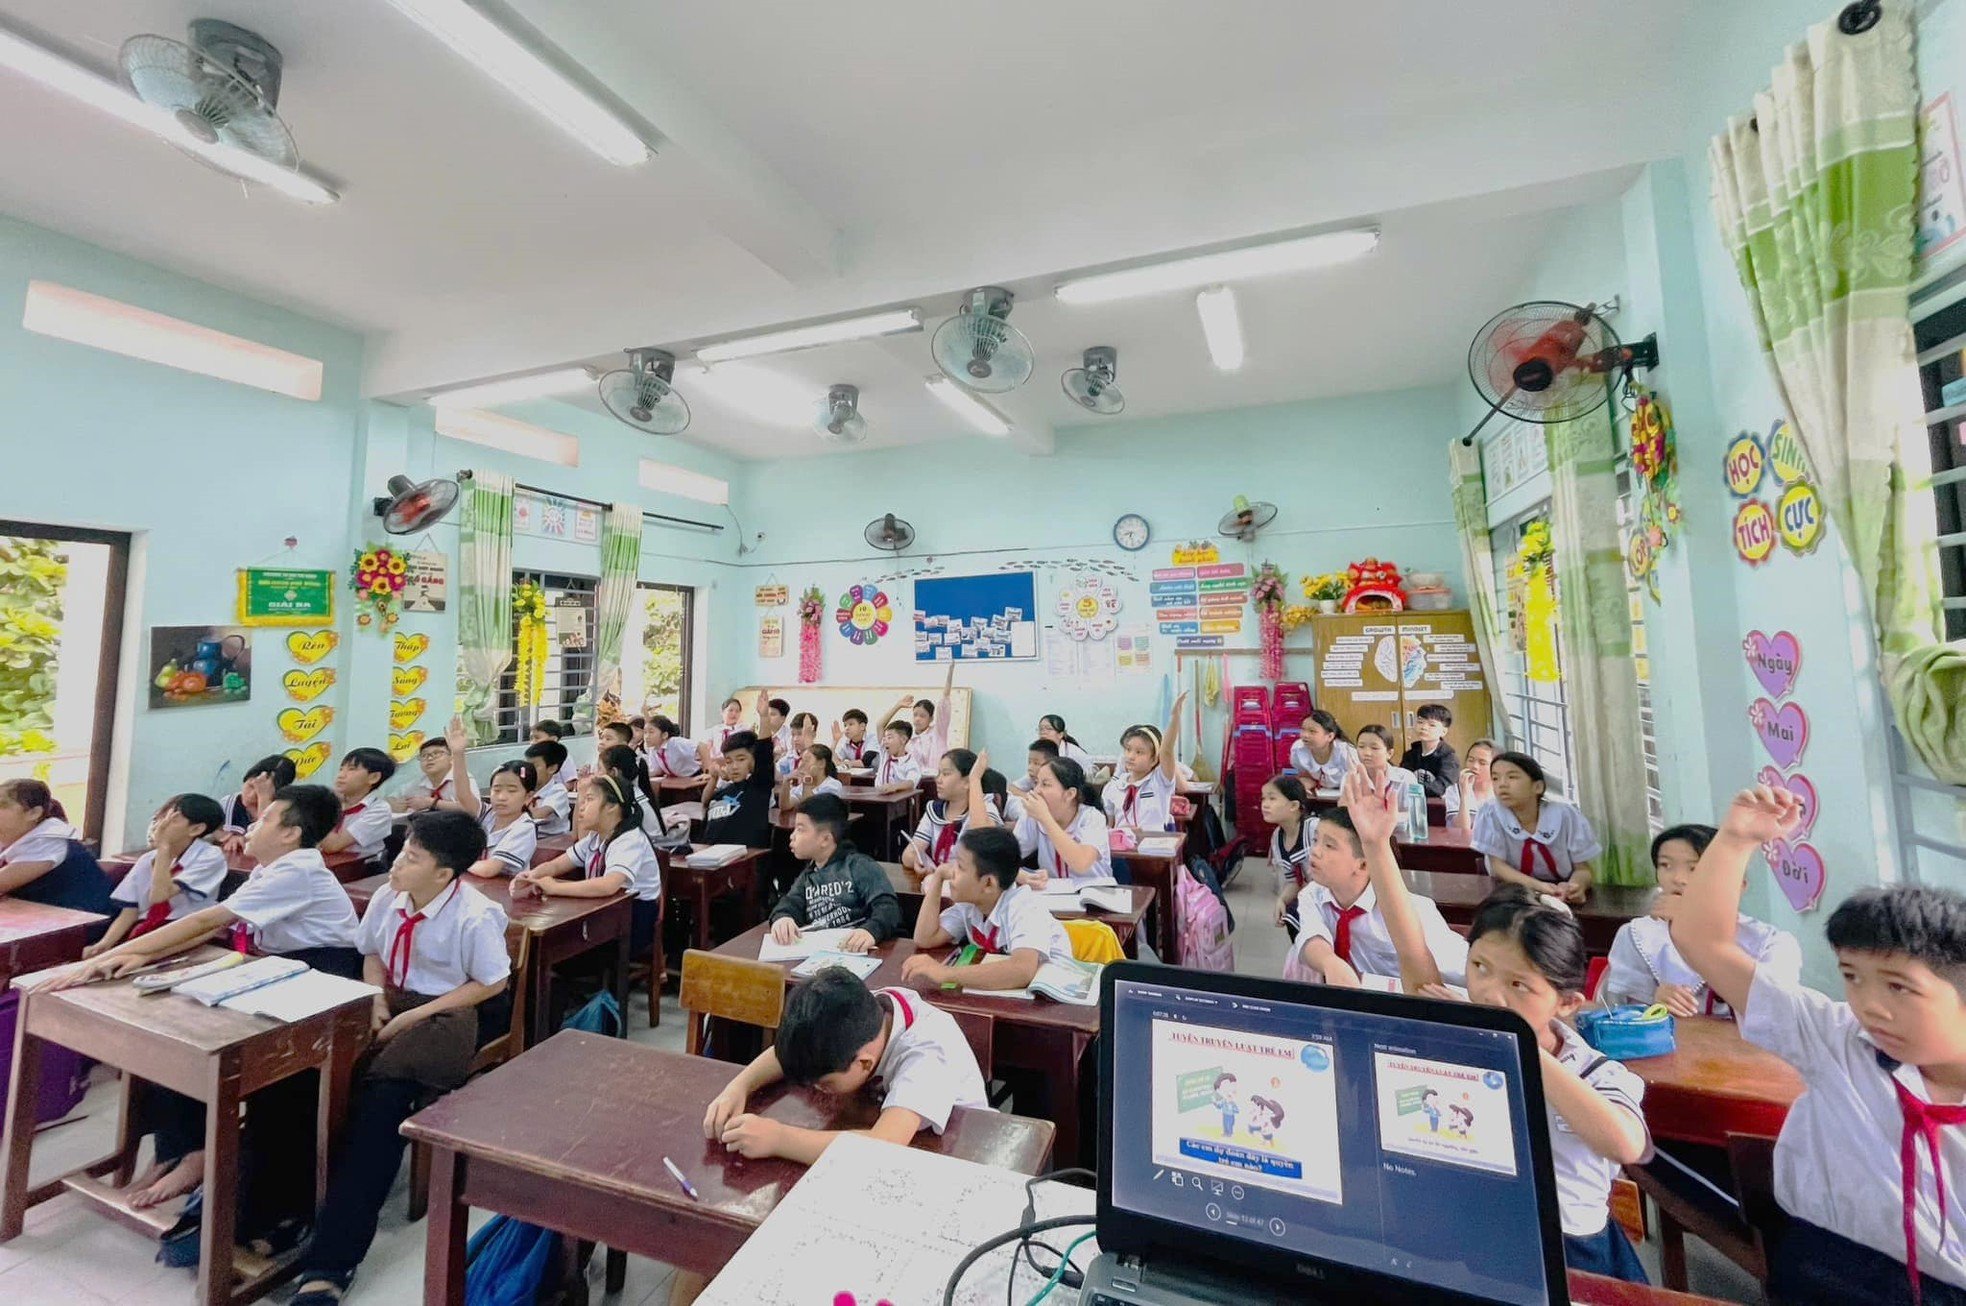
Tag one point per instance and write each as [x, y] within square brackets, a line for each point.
[1440, 664]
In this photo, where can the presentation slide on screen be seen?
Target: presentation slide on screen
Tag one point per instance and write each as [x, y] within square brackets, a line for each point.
[1245, 1107]
[1438, 1111]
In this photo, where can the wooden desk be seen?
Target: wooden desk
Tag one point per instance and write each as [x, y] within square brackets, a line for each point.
[699, 886]
[1600, 915]
[34, 937]
[561, 929]
[548, 846]
[1156, 872]
[1715, 1083]
[207, 1053]
[1127, 925]
[1033, 1034]
[676, 789]
[887, 811]
[346, 865]
[572, 1136]
[1443, 852]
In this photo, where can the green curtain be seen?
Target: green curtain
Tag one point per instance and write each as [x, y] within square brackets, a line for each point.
[621, 569]
[1471, 521]
[484, 600]
[1815, 198]
[1600, 680]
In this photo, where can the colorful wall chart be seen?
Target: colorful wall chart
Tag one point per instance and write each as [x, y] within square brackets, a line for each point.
[1088, 608]
[1201, 604]
[1782, 727]
[864, 614]
[977, 618]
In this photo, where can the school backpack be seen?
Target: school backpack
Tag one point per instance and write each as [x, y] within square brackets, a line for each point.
[507, 1263]
[1201, 924]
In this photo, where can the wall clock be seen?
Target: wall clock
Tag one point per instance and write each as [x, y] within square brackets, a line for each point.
[1130, 532]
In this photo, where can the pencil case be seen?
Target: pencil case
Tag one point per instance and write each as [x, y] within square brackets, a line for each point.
[1628, 1033]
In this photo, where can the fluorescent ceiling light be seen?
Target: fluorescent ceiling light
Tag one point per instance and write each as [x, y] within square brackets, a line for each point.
[824, 333]
[1295, 255]
[502, 57]
[964, 403]
[86, 319]
[1221, 325]
[497, 431]
[77, 82]
[757, 393]
[513, 389]
[668, 479]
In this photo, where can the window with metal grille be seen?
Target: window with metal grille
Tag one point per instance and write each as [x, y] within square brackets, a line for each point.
[667, 637]
[570, 636]
[1940, 326]
[1655, 803]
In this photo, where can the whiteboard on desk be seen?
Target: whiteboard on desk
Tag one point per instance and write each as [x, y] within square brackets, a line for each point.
[991, 618]
[827, 702]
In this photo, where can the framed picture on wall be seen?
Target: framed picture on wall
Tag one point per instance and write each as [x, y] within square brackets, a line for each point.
[200, 666]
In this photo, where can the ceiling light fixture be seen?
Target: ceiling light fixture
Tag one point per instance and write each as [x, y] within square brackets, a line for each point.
[866, 327]
[964, 403]
[757, 393]
[84, 319]
[1221, 326]
[514, 389]
[99, 93]
[1297, 254]
[497, 431]
[473, 34]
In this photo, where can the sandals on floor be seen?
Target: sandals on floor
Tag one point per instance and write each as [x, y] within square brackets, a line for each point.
[282, 1238]
[178, 1247]
[328, 1296]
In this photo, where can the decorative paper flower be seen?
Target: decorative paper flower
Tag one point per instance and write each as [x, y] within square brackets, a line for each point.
[1330, 585]
[1296, 615]
[1267, 592]
[812, 606]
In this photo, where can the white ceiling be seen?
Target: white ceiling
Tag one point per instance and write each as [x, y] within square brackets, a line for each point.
[822, 159]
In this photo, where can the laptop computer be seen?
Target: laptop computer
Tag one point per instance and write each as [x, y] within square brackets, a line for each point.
[1261, 1140]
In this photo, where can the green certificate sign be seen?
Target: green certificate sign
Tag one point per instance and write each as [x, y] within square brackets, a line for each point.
[282, 597]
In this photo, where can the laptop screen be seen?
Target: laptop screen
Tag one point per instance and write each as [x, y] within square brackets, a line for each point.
[1386, 1143]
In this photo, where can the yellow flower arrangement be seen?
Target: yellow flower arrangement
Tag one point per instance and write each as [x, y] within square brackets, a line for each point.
[529, 669]
[1330, 586]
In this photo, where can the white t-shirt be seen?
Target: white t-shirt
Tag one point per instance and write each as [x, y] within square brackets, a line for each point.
[1329, 774]
[629, 855]
[514, 845]
[295, 902]
[1583, 1178]
[557, 800]
[1019, 921]
[46, 842]
[569, 774]
[827, 785]
[1371, 946]
[368, 823]
[1838, 1162]
[1643, 957]
[1562, 839]
[1088, 827]
[677, 757]
[199, 871]
[927, 1066]
[460, 936]
[895, 770]
[848, 753]
[445, 790]
[935, 835]
[1152, 806]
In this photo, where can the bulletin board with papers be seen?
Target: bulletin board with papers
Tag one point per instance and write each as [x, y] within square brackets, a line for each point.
[977, 618]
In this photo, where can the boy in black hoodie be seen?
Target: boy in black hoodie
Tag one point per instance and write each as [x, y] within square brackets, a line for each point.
[840, 888]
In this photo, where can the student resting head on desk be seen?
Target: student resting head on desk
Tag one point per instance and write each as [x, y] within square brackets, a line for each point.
[895, 768]
[1885, 1071]
[850, 738]
[838, 1036]
[946, 815]
[181, 873]
[256, 789]
[365, 819]
[552, 803]
[510, 835]
[1141, 795]
[42, 857]
[840, 887]
[437, 951]
[1526, 953]
[1531, 839]
[1060, 824]
[611, 856]
[988, 908]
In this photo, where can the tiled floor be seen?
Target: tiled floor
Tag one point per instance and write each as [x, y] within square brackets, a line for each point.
[71, 1257]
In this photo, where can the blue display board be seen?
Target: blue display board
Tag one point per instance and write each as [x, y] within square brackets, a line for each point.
[977, 618]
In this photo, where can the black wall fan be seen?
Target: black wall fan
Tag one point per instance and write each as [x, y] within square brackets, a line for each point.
[889, 533]
[411, 506]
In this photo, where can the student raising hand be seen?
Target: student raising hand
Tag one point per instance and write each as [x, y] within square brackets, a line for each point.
[1761, 815]
[1705, 920]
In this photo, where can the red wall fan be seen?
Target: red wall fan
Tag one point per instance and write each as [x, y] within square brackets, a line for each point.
[1548, 361]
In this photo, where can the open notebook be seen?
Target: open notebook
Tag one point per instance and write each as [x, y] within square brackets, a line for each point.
[278, 988]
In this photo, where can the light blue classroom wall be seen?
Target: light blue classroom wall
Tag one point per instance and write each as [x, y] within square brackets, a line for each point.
[1354, 477]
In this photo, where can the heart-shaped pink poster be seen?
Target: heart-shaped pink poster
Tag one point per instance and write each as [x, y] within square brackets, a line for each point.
[1775, 660]
[1804, 790]
[1800, 872]
[1784, 730]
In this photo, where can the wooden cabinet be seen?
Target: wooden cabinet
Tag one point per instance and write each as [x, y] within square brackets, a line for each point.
[1382, 667]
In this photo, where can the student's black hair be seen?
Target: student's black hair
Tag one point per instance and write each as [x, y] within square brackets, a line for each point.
[1547, 934]
[313, 810]
[278, 765]
[667, 726]
[1044, 747]
[925, 705]
[1699, 836]
[373, 760]
[552, 729]
[900, 726]
[1436, 712]
[729, 701]
[1328, 723]
[853, 714]
[827, 1020]
[800, 719]
[637, 722]
[32, 794]
[996, 853]
[199, 810]
[620, 730]
[996, 786]
[620, 760]
[1057, 723]
[1292, 790]
[1339, 818]
[619, 793]
[828, 814]
[1147, 733]
[962, 759]
[1071, 777]
[1923, 923]
[824, 755]
[1522, 762]
[780, 706]
[453, 840]
[763, 771]
[550, 751]
[434, 741]
[527, 773]
[1377, 732]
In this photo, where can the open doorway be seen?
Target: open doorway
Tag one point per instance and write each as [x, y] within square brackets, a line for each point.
[61, 628]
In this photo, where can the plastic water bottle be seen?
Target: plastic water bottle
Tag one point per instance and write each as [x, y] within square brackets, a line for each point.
[1416, 813]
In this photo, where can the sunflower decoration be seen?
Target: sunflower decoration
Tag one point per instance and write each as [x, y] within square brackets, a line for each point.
[377, 577]
[529, 670]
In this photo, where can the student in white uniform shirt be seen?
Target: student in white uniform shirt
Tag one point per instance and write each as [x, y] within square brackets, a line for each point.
[731, 721]
[1375, 760]
[511, 837]
[945, 816]
[894, 766]
[1533, 840]
[442, 783]
[365, 819]
[1884, 1074]
[929, 719]
[1526, 953]
[1646, 968]
[552, 732]
[1287, 810]
[611, 856]
[990, 909]
[1065, 831]
[1140, 796]
[812, 775]
[1322, 755]
[551, 807]
[667, 753]
[1476, 788]
[850, 748]
[42, 856]
[804, 727]
[180, 873]
[775, 723]
[436, 949]
[1052, 726]
[1040, 754]
[256, 789]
